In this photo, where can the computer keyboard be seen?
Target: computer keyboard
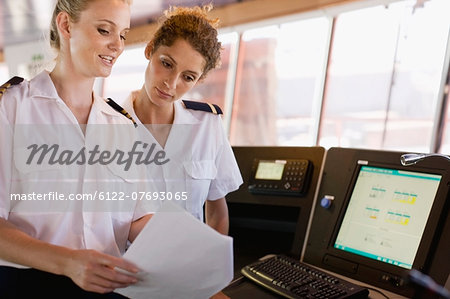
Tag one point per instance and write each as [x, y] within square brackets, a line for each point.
[294, 279]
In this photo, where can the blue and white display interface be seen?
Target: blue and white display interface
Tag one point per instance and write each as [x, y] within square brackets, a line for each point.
[387, 214]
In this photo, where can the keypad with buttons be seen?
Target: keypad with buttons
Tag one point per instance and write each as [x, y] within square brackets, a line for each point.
[294, 179]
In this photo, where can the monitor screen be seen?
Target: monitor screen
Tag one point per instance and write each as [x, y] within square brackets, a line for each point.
[387, 214]
[270, 170]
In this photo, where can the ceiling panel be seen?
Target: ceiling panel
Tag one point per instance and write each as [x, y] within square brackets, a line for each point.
[28, 20]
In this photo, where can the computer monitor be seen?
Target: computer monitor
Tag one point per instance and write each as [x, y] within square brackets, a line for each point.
[385, 218]
[387, 213]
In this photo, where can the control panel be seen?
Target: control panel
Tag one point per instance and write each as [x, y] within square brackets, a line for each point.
[280, 177]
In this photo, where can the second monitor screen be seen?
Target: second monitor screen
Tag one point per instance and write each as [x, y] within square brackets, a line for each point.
[387, 214]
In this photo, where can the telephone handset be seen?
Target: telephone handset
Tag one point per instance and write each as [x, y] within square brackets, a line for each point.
[280, 177]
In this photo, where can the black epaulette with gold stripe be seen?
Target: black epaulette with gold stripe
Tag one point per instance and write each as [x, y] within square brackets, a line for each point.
[207, 107]
[119, 109]
[13, 81]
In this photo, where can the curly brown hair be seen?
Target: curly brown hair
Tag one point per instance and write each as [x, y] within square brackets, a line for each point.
[193, 25]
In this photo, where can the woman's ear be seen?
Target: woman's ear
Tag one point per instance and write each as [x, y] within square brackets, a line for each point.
[148, 50]
[64, 25]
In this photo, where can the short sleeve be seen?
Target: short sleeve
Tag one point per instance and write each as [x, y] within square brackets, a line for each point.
[6, 157]
[228, 177]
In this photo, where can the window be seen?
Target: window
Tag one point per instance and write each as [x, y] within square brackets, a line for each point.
[4, 75]
[384, 76]
[213, 88]
[127, 74]
[445, 145]
[278, 83]
[379, 90]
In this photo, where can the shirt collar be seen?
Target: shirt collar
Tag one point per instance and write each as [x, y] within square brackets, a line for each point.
[101, 105]
[182, 115]
[42, 86]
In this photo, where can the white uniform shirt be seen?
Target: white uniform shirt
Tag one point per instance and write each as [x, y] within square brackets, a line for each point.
[34, 109]
[202, 163]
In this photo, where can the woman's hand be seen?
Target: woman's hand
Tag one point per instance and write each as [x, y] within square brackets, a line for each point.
[96, 272]
[91, 270]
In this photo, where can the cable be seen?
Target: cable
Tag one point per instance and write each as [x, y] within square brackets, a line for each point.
[376, 290]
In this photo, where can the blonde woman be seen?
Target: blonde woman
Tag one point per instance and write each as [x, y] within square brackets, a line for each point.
[64, 254]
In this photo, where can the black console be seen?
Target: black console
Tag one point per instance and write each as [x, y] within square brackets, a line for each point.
[270, 211]
[375, 220]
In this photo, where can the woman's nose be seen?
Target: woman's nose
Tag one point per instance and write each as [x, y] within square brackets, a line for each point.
[117, 44]
[171, 81]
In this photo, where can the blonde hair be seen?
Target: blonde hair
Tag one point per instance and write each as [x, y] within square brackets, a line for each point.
[73, 8]
[193, 25]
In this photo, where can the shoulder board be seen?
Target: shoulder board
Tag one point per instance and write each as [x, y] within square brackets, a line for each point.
[207, 107]
[13, 81]
[119, 109]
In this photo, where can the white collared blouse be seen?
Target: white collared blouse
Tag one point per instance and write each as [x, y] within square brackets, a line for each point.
[33, 113]
[202, 165]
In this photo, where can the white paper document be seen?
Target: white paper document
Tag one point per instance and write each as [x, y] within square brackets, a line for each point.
[180, 257]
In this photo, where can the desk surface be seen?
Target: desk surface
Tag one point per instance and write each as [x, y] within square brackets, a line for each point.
[243, 288]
